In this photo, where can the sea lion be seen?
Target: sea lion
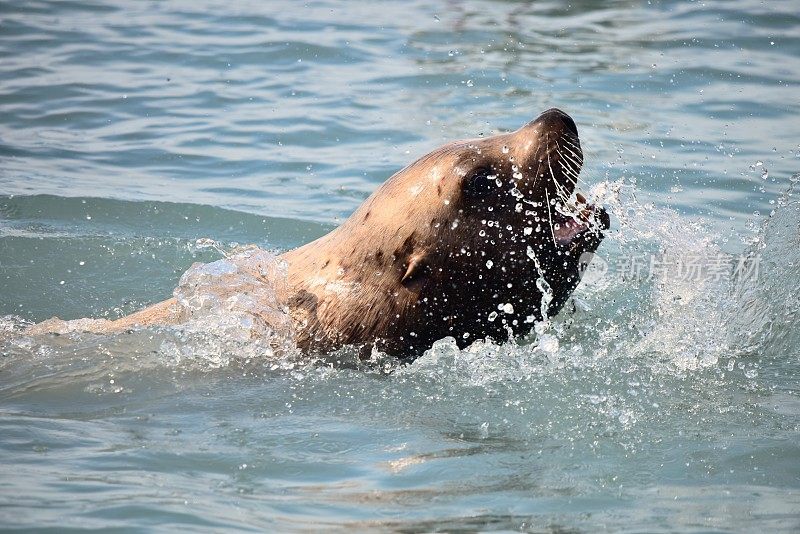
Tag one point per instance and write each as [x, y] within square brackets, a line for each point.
[479, 238]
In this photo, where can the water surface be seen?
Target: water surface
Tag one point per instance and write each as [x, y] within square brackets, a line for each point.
[130, 131]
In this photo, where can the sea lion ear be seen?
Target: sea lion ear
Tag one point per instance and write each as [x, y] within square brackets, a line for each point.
[480, 183]
[416, 272]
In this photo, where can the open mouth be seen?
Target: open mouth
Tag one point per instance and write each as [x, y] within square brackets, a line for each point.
[578, 219]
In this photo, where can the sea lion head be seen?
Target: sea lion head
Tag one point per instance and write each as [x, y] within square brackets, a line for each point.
[519, 190]
[479, 238]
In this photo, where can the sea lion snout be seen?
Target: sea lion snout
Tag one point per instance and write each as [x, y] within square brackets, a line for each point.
[554, 119]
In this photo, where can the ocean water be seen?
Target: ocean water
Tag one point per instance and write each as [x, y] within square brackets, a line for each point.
[133, 135]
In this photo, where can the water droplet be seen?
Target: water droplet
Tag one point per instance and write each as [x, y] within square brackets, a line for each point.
[544, 287]
[548, 343]
[505, 149]
[596, 399]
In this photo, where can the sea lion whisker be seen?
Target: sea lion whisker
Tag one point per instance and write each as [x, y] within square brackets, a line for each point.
[574, 165]
[561, 192]
[550, 217]
[565, 174]
[571, 142]
[571, 156]
[571, 175]
[581, 181]
[568, 168]
[538, 173]
[578, 180]
[564, 194]
[579, 164]
[553, 174]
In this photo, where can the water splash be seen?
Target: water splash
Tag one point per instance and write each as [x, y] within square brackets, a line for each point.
[238, 297]
[767, 313]
[662, 322]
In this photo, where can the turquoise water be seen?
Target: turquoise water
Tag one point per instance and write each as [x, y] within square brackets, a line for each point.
[128, 131]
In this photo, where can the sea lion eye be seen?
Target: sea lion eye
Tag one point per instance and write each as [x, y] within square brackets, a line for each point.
[480, 183]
